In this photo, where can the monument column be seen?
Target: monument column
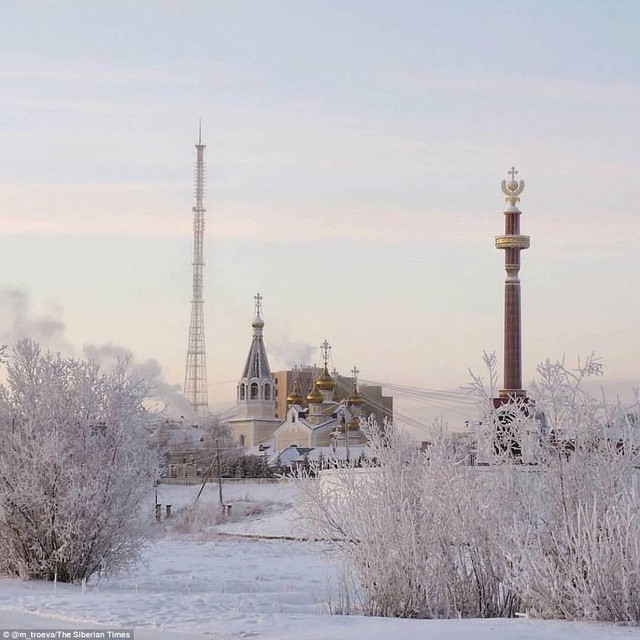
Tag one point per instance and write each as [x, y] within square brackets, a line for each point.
[512, 242]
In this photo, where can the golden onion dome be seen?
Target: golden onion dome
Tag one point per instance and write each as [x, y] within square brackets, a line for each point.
[295, 397]
[315, 397]
[355, 399]
[353, 424]
[325, 382]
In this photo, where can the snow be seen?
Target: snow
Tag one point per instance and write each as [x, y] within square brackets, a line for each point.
[225, 581]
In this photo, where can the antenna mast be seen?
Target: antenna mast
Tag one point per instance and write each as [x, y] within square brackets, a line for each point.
[195, 379]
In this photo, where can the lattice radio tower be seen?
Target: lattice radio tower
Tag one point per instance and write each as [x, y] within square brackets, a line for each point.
[195, 378]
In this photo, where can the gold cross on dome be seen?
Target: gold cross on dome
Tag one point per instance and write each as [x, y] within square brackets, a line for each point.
[513, 173]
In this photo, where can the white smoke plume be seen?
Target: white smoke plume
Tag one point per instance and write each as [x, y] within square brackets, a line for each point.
[19, 319]
[292, 353]
[163, 395]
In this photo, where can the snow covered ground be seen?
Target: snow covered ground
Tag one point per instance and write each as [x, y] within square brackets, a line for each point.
[205, 579]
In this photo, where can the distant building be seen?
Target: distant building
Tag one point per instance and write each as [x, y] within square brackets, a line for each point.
[181, 446]
[274, 413]
[255, 419]
[324, 419]
[375, 402]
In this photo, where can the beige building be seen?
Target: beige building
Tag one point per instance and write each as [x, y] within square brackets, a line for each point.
[284, 384]
[375, 402]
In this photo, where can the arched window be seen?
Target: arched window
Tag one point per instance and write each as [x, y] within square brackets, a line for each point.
[242, 439]
[267, 391]
[254, 391]
[243, 391]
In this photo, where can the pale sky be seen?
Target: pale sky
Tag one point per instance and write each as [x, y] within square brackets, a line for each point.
[354, 157]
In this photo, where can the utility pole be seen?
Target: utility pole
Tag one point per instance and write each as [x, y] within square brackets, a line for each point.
[219, 471]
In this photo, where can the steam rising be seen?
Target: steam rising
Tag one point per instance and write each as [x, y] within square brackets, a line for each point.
[18, 319]
[166, 396]
[293, 353]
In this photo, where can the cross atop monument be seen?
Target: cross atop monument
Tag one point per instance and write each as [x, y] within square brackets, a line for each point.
[355, 371]
[513, 188]
[258, 299]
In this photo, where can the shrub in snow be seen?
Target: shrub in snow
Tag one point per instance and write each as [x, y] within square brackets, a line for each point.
[74, 467]
[576, 534]
[550, 525]
[198, 518]
[418, 530]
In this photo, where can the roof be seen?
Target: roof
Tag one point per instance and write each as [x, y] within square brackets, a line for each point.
[331, 415]
[338, 452]
[289, 455]
[257, 364]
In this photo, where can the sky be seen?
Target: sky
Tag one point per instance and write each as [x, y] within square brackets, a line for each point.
[354, 157]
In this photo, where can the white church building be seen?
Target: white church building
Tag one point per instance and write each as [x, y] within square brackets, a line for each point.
[317, 420]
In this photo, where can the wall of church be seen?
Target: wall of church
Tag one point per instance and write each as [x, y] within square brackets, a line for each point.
[323, 438]
[242, 433]
[264, 431]
[294, 433]
[251, 433]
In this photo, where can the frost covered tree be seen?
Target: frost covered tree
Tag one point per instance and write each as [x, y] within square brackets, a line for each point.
[74, 467]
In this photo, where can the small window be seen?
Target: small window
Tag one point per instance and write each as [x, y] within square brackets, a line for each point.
[293, 417]
[241, 439]
[267, 391]
[243, 391]
[254, 390]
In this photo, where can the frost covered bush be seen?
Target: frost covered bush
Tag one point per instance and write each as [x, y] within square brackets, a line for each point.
[549, 524]
[576, 537]
[198, 518]
[74, 467]
[418, 530]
